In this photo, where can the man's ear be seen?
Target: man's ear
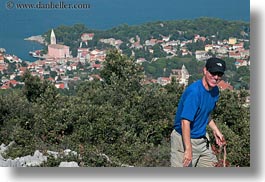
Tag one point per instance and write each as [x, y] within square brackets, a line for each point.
[204, 70]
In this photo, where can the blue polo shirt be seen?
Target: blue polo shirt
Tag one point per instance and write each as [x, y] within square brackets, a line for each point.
[196, 105]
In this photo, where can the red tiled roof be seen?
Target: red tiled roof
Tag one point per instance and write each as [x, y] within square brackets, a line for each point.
[224, 85]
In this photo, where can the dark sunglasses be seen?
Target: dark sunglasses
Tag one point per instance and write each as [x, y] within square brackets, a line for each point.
[219, 74]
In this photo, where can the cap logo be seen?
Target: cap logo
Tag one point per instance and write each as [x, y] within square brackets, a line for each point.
[219, 64]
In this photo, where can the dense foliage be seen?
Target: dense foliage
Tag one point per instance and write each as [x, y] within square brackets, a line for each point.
[115, 122]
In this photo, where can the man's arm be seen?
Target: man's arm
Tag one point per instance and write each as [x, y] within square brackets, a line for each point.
[185, 124]
[219, 138]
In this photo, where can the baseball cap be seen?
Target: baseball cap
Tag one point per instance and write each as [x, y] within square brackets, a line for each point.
[215, 65]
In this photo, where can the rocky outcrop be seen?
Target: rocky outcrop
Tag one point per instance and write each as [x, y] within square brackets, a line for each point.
[34, 160]
[68, 164]
[36, 38]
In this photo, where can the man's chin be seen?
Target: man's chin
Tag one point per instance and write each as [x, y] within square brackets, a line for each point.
[213, 84]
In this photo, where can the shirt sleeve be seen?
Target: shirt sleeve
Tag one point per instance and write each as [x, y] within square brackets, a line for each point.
[190, 106]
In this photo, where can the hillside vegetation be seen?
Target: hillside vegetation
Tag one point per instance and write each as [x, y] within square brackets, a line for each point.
[115, 122]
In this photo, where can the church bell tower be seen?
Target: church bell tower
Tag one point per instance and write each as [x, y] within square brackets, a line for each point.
[53, 38]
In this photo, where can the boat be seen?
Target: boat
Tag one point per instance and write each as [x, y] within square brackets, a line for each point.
[35, 54]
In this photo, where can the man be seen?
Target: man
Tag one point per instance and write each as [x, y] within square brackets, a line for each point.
[189, 140]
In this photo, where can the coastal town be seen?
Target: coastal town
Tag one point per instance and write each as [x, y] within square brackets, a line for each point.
[61, 68]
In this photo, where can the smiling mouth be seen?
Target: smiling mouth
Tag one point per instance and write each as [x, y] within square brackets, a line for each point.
[214, 81]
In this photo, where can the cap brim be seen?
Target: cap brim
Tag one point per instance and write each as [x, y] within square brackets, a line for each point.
[216, 70]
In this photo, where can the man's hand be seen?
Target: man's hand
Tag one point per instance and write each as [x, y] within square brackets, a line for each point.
[187, 158]
[219, 138]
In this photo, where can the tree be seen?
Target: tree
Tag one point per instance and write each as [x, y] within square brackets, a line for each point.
[120, 70]
[233, 118]
[34, 88]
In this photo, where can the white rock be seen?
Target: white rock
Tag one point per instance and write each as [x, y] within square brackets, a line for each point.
[68, 164]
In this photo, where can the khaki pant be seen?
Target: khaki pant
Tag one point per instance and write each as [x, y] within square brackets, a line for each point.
[202, 155]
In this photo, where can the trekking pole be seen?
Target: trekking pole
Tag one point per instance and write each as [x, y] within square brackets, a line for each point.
[224, 160]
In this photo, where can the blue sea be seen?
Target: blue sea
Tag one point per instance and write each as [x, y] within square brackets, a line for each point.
[40, 16]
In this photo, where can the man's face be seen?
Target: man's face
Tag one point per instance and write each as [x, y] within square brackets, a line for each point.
[212, 78]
